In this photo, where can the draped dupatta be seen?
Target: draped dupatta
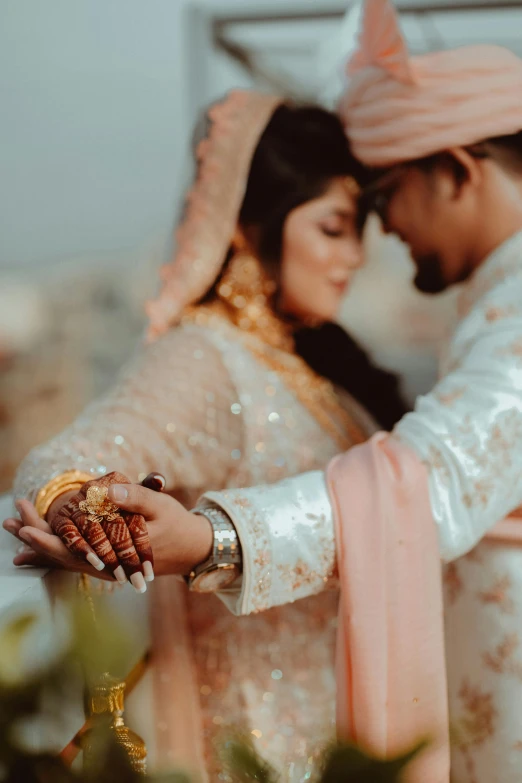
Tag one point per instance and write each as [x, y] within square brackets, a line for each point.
[391, 676]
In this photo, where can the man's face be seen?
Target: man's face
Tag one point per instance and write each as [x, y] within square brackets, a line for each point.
[422, 208]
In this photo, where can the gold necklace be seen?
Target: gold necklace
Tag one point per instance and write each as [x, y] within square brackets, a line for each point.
[316, 394]
[269, 340]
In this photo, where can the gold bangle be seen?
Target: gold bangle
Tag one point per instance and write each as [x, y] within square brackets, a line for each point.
[71, 480]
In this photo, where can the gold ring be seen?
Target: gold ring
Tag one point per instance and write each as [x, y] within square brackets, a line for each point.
[98, 506]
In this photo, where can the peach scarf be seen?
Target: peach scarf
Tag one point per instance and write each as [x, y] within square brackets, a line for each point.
[391, 676]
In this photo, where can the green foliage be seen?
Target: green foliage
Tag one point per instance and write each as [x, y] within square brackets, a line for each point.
[341, 764]
[35, 689]
[33, 694]
[350, 765]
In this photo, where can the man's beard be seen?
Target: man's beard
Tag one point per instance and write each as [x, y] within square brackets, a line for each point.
[429, 278]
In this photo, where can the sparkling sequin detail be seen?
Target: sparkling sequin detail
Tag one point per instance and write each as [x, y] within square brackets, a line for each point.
[468, 431]
[220, 420]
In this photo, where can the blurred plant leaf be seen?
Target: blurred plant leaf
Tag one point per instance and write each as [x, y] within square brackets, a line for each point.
[243, 763]
[34, 690]
[341, 764]
[36, 694]
[347, 764]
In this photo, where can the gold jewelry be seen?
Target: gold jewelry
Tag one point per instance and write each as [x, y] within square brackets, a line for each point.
[245, 294]
[98, 506]
[248, 292]
[107, 699]
[71, 480]
[352, 186]
[244, 298]
[316, 394]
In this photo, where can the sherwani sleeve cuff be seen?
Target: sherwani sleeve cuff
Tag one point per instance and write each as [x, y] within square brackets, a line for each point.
[287, 538]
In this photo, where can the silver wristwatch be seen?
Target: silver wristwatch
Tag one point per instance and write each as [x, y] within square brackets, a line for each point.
[224, 564]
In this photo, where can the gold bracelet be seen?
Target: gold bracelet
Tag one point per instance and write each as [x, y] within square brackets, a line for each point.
[71, 480]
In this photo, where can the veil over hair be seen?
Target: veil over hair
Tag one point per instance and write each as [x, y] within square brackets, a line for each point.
[212, 205]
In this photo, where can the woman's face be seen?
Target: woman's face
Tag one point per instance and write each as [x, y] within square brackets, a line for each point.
[321, 252]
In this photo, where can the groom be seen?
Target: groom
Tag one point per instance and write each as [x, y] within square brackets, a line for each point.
[441, 136]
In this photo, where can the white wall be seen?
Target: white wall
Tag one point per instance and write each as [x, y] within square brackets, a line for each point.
[92, 131]
[96, 115]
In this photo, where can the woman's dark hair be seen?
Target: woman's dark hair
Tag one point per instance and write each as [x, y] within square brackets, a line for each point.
[300, 151]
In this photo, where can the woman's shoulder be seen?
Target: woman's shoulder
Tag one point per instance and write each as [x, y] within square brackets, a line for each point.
[187, 351]
[187, 339]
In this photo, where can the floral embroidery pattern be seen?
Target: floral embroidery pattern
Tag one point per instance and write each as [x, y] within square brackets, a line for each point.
[476, 726]
[501, 660]
[436, 461]
[255, 531]
[448, 398]
[514, 349]
[497, 595]
[493, 314]
[488, 454]
[479, 717]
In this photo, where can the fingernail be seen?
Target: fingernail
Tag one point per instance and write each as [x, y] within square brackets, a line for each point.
[118, 493]
[25, 535]
[23, 549]
[120, 575]
[17, 505]
[138, 582]
[95, 561]
[148, 571]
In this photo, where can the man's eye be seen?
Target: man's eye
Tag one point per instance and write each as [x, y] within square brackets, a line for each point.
[332, 232]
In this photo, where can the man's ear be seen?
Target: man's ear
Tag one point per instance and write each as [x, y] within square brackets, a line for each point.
[465, 169]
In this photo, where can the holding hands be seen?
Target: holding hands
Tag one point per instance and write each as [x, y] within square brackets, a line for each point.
[110, 528]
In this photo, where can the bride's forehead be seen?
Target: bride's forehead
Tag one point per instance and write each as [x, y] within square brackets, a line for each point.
[336, 198]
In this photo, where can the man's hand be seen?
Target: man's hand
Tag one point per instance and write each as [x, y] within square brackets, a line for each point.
[180, 540]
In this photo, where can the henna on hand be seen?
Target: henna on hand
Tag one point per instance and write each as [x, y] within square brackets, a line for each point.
[117, 537]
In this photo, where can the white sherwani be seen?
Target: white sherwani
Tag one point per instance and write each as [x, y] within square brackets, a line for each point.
[468, 431]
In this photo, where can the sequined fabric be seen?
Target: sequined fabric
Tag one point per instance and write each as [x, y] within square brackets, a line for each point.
[200, 408]
[468, 431]
[469, 434]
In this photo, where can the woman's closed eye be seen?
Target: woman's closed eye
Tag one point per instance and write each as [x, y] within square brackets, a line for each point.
[333, 231]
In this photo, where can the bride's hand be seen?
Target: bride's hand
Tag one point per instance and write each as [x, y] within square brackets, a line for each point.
[180, 540]
[88, 522]
[96, 530]
[57, 555]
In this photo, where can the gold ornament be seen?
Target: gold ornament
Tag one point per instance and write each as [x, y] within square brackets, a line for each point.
[98, 506]
[245, 295]
[107, 698]
[71, 480]
[352, 186]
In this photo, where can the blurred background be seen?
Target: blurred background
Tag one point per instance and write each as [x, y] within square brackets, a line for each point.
[98, 100]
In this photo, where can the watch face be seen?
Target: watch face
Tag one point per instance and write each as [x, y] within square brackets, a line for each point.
[215, 579]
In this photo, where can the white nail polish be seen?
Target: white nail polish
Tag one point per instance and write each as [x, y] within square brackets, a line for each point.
[95, 561]
[148, 571]
[120, 575]
[138, 582]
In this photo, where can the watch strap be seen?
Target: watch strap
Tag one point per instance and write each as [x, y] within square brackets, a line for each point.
[226, 549]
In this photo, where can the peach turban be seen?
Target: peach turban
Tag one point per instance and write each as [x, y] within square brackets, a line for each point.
[397, 108]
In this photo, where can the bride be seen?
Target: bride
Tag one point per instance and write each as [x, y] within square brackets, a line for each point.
[225, 395]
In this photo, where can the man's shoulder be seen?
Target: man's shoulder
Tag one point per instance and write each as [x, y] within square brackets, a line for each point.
[499, 304]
